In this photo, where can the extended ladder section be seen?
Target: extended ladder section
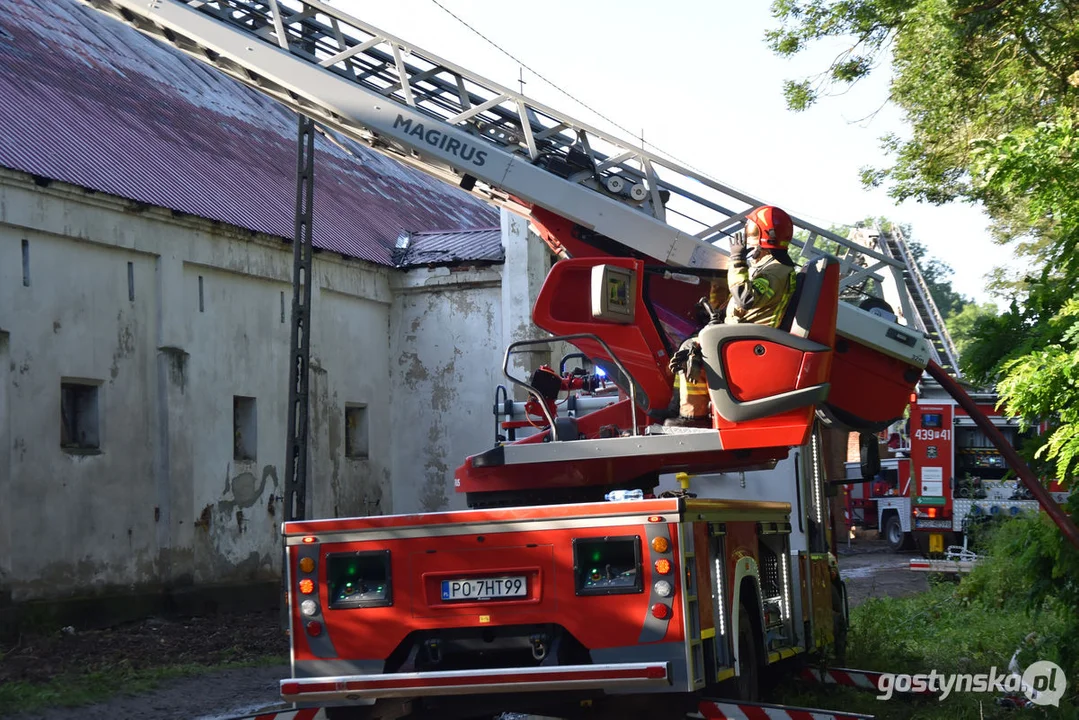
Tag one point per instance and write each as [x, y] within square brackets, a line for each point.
[464, 129]
[927, 317]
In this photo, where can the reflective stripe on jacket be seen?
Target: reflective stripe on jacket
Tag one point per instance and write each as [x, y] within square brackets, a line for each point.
[760, 294]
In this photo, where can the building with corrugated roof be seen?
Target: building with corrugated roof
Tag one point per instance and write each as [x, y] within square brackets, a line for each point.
[146, 216]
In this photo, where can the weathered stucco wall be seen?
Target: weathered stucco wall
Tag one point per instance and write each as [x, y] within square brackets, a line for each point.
[449, 330]
[165, 501]
[170, 319]
[445, 355]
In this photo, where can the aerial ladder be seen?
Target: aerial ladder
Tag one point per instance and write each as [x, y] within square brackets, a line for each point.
[595, 199]
[927, 316]
[614, 212]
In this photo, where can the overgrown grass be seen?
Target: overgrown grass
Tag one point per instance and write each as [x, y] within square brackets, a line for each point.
[968, 626]
[104, 683]
[944, 631]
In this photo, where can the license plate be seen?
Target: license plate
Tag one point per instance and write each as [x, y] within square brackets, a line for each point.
[942, 524]
[485, 588]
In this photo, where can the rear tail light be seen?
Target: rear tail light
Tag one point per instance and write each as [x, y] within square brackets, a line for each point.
[663, 566]
[314, 628]
[307, 586]
[359, 579]
[607, 565]
[661, 611]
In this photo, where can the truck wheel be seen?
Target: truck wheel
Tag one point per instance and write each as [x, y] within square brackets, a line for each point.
[748, 666]
[893, 533]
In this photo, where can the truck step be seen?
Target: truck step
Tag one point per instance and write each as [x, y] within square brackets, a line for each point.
[283, 714]
[741, 710]
[847, 677]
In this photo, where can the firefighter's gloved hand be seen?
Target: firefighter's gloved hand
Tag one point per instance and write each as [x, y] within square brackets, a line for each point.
[695, 364]
[688, 359]
[739, 251]
[679, 360]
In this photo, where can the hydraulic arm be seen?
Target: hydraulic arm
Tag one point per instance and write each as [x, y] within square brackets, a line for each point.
[613, 197]
[620, 218]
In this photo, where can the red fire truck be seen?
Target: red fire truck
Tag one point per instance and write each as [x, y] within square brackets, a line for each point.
[944, 477]
[557, 590]
[601, 604]
[562, 602]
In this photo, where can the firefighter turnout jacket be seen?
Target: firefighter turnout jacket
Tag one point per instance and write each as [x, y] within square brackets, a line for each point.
[759, 293]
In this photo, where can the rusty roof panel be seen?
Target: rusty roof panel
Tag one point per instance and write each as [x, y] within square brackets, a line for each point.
[89, 101]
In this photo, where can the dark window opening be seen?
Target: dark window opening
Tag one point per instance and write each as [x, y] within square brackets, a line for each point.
[79, 425]
[357, 442]
[26, 263]
[244, 428]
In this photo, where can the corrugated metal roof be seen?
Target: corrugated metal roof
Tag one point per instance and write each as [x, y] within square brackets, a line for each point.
[89, 101]
[450, 248]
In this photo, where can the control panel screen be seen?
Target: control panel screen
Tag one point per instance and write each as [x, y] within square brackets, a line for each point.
[614, 293]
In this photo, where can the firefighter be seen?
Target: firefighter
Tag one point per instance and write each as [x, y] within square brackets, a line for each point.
[691, 406]
[691, 386]
[761, 275]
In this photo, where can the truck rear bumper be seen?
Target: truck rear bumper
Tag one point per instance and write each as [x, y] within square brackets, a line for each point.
[360, 688]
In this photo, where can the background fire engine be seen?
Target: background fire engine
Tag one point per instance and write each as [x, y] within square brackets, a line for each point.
[940, 473]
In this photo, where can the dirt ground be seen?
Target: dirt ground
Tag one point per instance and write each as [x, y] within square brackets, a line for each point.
[870, 569]
[151, 643]
[156, 643]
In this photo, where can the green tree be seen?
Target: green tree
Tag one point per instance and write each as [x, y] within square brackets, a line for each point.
[1041, 372]
[990, 89]
[968, 324]
[961, 70]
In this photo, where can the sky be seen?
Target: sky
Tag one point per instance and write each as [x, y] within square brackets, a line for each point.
[697, 77]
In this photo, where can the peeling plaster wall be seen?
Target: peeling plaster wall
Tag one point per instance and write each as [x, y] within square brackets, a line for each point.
[165, 502]
[350, 368]
[527, 261]
[80, 518]
[445, 362]
[449, 330]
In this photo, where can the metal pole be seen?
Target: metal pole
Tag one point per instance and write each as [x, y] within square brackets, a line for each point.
[295, 502]
[300, 348]
[1016, 463]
